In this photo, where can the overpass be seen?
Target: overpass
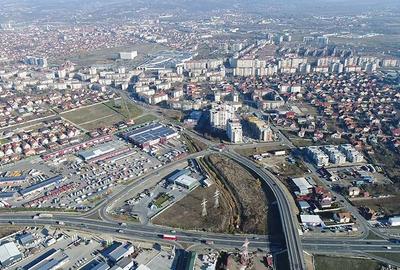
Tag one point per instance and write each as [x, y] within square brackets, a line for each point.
[288, 219]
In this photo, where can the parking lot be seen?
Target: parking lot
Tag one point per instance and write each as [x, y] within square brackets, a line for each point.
[84, 184]
[152, 200]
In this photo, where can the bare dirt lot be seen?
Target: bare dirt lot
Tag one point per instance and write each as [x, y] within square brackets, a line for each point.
[244, 207]
[193, 144]
[388, 206]
[245, 191]
[8, 229]
[186, 213]
[250, 151]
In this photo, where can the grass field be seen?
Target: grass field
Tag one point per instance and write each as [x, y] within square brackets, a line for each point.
[307, 140]
[104, 114]
[343, 263]
[89, 113]
[389, 160]
[247, 195]
[105, 121]
[3, 141]
[145, 118]
[130, 111]
[161, 199]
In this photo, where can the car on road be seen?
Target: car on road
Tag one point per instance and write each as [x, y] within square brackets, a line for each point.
[394, 240]
[120, 231]
[208, 242]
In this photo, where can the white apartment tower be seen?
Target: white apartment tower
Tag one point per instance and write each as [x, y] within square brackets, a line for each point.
[234, 131]
[220, 114]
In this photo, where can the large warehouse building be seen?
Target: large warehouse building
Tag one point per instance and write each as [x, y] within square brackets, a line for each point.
[182, 178]
[150, 135]
[9, 254]
[41, 185]
[103, 152]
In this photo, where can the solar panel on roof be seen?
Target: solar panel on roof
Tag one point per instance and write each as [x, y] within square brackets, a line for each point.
[150, 133]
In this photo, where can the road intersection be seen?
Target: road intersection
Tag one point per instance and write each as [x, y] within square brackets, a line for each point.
[293, 242]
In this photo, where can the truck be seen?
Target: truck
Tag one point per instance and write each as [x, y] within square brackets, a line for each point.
[169, 237]
[45, 215]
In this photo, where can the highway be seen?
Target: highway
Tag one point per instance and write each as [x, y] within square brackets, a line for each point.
[294, 245]
[153, 233]
[288, 219]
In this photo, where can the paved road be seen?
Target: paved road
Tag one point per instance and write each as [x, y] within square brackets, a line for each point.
[153, 233]
[150, 232]
[365, 227]
[288, 219]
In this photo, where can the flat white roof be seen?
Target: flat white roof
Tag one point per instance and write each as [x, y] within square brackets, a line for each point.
[310, 219]
[394, 219]
[301, 183]
[186, 180]
[8, 250]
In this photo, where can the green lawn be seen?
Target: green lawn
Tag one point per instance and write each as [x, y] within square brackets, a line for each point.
[105, 114]
[145, 118]
[334, 263]
[103, 122]
[3, 141]
[88, 114]
[161, 199]
[128, 111]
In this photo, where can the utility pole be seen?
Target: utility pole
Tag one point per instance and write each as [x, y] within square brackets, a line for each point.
[244, 258]
[204, 205]
[216, 197]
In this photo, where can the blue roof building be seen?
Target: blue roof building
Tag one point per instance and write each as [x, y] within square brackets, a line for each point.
[41, 185]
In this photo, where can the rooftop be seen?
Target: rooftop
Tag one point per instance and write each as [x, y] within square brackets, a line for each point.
[39, 185]
[302, 183]
[186, 180]
[7, 251]
[149, 133]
